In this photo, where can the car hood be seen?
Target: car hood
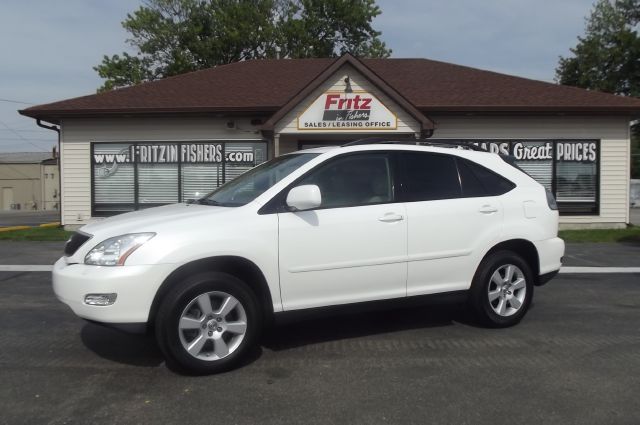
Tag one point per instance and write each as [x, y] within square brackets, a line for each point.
[151, 219]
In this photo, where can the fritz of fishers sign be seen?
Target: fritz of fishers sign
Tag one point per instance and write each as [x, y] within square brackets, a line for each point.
[347, 111]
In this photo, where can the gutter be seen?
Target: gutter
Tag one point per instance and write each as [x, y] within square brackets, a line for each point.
[59, 158]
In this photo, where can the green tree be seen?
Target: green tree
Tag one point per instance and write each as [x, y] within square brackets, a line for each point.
[607, 58]
[171, 37]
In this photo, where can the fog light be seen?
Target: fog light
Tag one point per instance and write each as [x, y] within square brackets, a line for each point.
[100, 299]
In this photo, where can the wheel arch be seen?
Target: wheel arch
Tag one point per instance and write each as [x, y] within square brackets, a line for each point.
[240, 267]
[524, 248]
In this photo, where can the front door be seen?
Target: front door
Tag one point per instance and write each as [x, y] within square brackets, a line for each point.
[351, 249]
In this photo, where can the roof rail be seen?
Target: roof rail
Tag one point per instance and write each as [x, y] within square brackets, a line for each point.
[414, 141]
[382, 140]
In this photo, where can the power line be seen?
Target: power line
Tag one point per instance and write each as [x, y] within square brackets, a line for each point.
[15, 101]
[27, 130]
[22, 137]
[33, 139]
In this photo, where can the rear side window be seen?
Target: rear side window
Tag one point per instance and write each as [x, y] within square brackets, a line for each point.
[479, 181]
[472, 187]
[429, 177]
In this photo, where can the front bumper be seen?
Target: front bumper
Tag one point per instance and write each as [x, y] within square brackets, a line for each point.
[135, 286]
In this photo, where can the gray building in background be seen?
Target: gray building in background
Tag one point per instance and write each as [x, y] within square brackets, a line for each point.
[29, 181]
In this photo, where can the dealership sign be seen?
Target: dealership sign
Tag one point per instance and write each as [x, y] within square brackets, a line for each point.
[169, 153]
[347, 111]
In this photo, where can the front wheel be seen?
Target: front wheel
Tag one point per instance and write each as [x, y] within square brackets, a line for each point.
[208, 323]
[502, 289]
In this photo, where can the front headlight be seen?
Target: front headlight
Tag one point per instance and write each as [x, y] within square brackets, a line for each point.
[114, 251]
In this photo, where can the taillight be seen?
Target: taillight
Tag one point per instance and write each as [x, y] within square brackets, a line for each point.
[551, 201]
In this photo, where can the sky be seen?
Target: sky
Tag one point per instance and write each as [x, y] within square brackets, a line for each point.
[48, 48]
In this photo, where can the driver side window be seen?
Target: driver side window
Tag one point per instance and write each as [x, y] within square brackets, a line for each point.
[353, 180]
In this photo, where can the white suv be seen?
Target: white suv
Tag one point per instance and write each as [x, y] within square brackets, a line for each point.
[320, 227]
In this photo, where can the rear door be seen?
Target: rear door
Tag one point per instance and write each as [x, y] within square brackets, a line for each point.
[451, 220]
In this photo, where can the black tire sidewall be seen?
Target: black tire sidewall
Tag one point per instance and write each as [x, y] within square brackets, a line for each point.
[174, 304]
[479, 288]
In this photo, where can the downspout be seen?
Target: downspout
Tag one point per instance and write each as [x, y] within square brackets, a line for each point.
[58, 158]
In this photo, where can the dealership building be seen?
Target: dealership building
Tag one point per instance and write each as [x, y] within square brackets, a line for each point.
[176, 139]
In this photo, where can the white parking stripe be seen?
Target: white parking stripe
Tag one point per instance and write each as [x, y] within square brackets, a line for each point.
[46, 268]
[25, 268]
[600, 270]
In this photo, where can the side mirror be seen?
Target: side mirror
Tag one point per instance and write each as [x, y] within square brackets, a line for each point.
[304, 197]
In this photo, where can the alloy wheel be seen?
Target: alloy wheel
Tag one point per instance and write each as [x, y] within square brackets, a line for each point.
[212, 326]
[507, 290]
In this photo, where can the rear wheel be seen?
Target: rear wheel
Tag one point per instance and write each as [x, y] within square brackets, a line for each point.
[502, 289]
[208, 323]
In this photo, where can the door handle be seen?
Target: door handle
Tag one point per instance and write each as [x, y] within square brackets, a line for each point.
[391, 217]
[488, 209]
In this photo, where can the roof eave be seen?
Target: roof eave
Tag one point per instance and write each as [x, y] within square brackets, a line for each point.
[55, 115]
[599, 110]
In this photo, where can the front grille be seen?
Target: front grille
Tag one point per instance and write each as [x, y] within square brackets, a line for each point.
[75, 242]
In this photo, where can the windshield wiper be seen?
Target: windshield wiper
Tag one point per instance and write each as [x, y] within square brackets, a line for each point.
[206, 201]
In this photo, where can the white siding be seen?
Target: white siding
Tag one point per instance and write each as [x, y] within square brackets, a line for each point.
[289, 123]
[614, 155]
[77, 135]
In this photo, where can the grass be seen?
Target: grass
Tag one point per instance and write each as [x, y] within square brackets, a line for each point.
[630, 234]
[36, 234]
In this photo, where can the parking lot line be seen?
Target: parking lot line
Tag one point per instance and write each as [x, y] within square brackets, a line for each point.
[25, 268]
[600, 270]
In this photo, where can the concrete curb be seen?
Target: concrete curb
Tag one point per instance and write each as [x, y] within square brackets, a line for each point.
[12, 228]
[52, 224]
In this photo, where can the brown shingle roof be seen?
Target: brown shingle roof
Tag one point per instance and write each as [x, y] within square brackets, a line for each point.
[266, 85]
[433, 85]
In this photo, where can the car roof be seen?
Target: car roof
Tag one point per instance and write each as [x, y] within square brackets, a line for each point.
[321, 149]
[392, 146]
[490, 160]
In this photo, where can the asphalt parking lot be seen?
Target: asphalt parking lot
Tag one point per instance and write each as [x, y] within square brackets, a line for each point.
[27, 218]
[573, 360]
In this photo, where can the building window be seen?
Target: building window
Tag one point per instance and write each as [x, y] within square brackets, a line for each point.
[567, 168]
[131, 176]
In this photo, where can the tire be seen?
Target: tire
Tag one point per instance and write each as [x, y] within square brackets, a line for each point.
[498, 300]
[203, 338]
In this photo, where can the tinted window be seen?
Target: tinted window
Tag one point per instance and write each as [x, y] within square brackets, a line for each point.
[430, 176]
[472, 187]
[492, 183]
[353, 180]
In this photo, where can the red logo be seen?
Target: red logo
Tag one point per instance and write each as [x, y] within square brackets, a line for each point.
[335, 102]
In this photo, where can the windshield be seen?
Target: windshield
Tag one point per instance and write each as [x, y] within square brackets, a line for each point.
[256, 181]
